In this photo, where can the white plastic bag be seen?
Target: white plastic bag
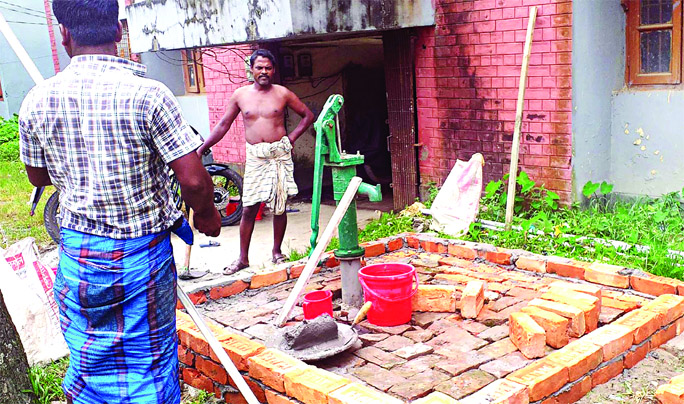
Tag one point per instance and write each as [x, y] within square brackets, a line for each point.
[458, 201]
[26, 286]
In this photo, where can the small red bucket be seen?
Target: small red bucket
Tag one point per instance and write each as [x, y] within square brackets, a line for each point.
[317, 303]
[389, 287]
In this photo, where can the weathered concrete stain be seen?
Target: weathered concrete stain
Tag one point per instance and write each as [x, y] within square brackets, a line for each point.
[189, 23]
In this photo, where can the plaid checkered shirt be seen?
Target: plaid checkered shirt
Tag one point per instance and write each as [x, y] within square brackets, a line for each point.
[106, 135]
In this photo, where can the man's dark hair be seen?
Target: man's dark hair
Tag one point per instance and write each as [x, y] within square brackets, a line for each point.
[264, 53]
[90, 22]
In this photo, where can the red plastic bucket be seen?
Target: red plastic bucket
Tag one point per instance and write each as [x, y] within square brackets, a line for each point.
[390, 287]
[317, 303]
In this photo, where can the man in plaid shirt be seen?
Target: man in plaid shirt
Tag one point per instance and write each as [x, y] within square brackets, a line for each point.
[104, 136]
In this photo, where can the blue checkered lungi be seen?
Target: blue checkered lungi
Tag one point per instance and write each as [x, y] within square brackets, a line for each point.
[117, 302]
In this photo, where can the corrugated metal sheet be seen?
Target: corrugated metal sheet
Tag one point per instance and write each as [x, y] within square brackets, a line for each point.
[401, 111]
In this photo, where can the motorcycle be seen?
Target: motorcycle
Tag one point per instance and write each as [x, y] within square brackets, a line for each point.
[227, 199]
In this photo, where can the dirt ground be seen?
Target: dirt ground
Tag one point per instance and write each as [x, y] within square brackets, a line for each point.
[638, 385]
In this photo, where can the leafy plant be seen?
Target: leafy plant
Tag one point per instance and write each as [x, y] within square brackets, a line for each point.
[9, 139]
[590, 188]
[47, 381]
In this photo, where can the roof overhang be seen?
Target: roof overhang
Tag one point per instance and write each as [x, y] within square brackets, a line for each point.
[177, 24]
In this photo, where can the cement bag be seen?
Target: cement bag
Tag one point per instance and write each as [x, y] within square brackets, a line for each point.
[458, 201]
[26, 286]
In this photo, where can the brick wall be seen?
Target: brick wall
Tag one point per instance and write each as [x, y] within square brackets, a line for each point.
[51, 32]
[467, 76]
[219, 87]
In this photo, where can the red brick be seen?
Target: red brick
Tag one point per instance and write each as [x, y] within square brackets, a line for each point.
[198, 297]
[312, 385]
[670, 393]
[193, 339]
[239, 350]
[438, 298]
[395, 244]
[643, 323]
[433, 246]
[555, 326]
[212, 370]
[185, 356]
[530, 263]
[233, 288]
[567, 268]
[587, 303]
[542, 377]
[413, 242]
[472, 299]
[270, 367]
[502, 391]
[527, 335]
[653, 285]
[607, 372]
[614, 340]
[356, 394]
[606, 274]
[636, 355]
[197, 380]
[663, 336]
[573, 395]
[275, 398]
[671, 306]
[435, 398]
[462, 251]
[577, 325]
[373, 249]
[579, 357]
[618, 304]
[500, 256]
[268, 277]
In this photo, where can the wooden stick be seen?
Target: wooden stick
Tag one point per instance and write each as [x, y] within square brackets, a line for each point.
[515, 149]
[215, 346]
[312, 263]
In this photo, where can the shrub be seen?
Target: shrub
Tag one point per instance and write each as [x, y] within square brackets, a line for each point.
[9, 139]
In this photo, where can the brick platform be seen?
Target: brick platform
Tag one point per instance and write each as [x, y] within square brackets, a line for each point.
[586, 321]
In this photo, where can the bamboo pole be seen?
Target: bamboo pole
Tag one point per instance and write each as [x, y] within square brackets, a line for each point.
[515, 149]
[312, 263]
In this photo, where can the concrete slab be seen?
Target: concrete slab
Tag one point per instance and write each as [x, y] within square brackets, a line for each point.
[214, 259]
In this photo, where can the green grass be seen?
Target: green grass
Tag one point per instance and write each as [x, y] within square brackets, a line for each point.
[47, 381]
[15, 222]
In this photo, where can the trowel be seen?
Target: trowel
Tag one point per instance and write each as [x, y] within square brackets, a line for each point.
[316, 339]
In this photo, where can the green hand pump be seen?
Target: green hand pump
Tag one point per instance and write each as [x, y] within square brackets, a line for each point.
[343, 165]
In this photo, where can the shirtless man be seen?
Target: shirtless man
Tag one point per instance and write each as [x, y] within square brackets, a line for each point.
[269, 168]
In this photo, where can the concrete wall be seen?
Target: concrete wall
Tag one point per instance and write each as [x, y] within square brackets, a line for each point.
[165, 66]
[32, 31]
[647, 143]
[598, 69]
[196, 112]
[176, 24]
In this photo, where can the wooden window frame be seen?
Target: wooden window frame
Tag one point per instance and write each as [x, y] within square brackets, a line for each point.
[634, 28]
[199, 71]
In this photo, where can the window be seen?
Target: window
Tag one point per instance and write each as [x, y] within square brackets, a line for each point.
[654, 41]
[193, 71]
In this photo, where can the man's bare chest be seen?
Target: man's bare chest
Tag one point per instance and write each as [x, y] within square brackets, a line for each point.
[266, 108]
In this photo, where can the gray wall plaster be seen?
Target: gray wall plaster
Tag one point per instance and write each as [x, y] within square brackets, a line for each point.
[598, 70]
[176, 24]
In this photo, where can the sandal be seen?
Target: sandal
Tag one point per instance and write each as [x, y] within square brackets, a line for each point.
[279, 259]
[234, 267]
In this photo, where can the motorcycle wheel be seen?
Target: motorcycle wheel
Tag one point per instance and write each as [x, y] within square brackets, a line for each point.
[227, 193]
[51, 217]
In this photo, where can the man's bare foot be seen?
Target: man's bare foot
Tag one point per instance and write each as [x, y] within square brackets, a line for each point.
[234, 267]
[278, 258]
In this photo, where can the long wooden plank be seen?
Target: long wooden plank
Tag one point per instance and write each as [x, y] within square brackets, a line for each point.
[215, 346]
[312, 263]
[515, 149]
